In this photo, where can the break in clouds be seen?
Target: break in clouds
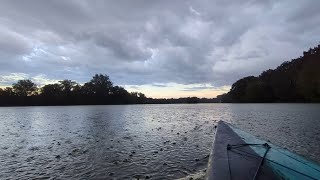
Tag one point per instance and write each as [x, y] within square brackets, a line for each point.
[145, 42]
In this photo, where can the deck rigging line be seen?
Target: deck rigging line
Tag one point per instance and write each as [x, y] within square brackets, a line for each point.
[266, 145]
[229, 147]
[262, 160]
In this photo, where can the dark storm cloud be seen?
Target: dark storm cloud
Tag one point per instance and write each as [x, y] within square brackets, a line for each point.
[13, 43]
[152, 42]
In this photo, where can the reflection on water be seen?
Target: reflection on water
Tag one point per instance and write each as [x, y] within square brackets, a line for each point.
[139, 141]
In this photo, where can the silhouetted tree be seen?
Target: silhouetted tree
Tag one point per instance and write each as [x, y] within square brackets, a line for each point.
[87, 89]
[141, 95]
[67, 86]
[99, 85]
[52, 90]
[77, 90]
[239, 88]
[119, 91]
[297, 80]
[8, 91]
[24, 87]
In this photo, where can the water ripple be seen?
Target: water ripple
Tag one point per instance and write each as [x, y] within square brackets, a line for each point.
[139, 141]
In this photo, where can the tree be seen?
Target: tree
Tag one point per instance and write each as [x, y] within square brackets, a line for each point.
[141, 95]
[67, 86]
[308, 81]
[134, 94]
[100, 85]
[77, 89]
[87, 89]
[297, 80]
[8, 91]
[24, 87]
[51, 90]
[238, 89]
[119, 91]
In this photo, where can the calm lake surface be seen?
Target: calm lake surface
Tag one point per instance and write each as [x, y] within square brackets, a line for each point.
[140, 141]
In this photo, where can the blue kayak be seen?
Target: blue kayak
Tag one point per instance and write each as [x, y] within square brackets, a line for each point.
[238, 155]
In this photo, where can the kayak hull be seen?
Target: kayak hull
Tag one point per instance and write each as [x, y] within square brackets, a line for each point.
[246, 162]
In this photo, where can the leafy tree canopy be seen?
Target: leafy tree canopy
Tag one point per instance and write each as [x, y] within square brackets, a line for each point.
[297, 80]
[24, 87]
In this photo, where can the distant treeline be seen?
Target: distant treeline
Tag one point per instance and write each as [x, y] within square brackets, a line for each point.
[294, 81]
[98, 91]
[187, 100]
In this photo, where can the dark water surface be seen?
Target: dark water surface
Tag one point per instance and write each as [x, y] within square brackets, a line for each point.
[140, 141]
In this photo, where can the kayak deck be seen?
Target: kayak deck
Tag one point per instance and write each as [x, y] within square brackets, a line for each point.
[244, 159]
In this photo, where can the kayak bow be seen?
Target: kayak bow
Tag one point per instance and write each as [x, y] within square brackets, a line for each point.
[238, 155]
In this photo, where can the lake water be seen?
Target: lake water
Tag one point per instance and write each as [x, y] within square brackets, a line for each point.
[140, 141]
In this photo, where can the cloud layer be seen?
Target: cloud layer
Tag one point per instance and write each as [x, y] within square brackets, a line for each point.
[153, 42]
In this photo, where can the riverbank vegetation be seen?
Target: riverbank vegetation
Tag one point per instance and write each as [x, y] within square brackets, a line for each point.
[297, 80]
[98, 91]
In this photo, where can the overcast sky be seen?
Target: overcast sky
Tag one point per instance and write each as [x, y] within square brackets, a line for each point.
[164, 48]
